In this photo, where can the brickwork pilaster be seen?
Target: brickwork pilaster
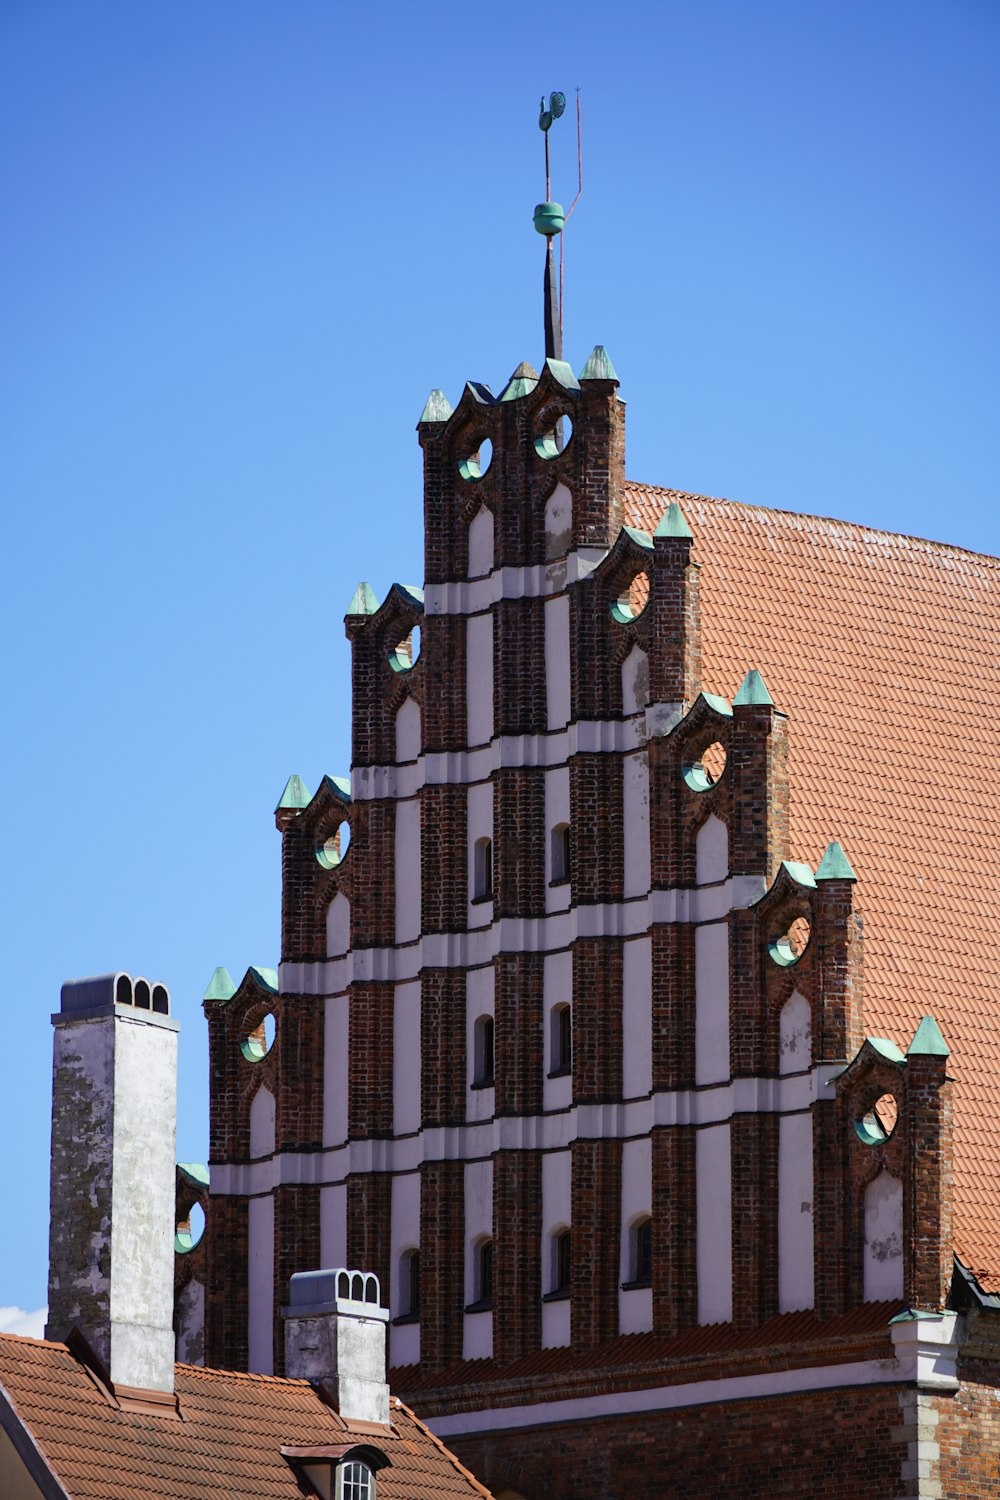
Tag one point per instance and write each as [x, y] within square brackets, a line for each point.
[299, 1102]
[519, 842]
[442, 1262]
[675, 634]
[372, 858]
[370, 1047]
[674, 1215]
[597, 1020]
[519, 697]
[444, 887]
[296, 1248]
[517, 1266]
[758, 771]
[673, 1004]
[596, 1241]
[369, 1223]
[929, 1202]
[442, 1047]
[226, 1293]
[597, 854]
[754, 1140]
[519, 1032]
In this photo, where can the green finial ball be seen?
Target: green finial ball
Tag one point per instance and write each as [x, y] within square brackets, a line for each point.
[549, 219]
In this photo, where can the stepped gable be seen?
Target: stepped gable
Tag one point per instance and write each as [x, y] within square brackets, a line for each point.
[884, 651]
[227, 1439]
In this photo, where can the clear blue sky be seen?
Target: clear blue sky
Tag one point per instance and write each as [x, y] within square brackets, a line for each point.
[243, 240]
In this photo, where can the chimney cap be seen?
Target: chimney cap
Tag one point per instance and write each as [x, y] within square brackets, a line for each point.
[340, 1290]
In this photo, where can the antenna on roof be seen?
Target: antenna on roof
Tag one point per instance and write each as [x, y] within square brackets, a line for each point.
[550, 220]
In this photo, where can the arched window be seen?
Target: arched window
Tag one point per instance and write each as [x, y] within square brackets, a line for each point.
[560, 1265]
[482, 1276]
[483, 870]
[560, 853]
[355, 1481]
[409, 1284]
[640, 1258]
[484, 1075]
[561, 1040]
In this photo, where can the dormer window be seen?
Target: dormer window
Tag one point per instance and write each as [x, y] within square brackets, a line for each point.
[338, 1471]
[355, 1481]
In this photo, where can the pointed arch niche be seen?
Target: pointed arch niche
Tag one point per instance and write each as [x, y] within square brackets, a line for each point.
[262, 1123]
[408, 730]
[712, 852]
[635, 681]
[481, 543]
[883, 1238]
[338, 926]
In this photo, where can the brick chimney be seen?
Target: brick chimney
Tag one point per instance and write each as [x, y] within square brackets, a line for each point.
[111, 1225]
[335, 1334]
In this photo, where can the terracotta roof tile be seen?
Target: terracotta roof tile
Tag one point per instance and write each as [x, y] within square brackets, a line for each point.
[228, 1442]
[884, 650]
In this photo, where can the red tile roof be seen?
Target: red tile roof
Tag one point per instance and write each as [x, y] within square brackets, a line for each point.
[227, 1442]
[884, 651]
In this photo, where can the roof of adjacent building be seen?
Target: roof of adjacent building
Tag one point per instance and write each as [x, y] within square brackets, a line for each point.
[227, 1439]
[884, 651]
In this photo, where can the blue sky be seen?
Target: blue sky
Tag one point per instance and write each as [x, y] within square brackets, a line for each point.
[242, 242]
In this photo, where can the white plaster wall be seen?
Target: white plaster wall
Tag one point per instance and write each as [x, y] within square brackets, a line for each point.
[557, 988]
[190, 1326]
[479, 985]
[338, 926]
[637, 1017]
[260, 1309]
[714, 1198]
[477, 1341]
[404, 1342]
[558, 522]
[795, 1216]
[635, 1308]
[557, 898]
[481, 543]
[635, 681]
[480, 826]
[557, 1198]
[333, 1225]
[479, 678]
[636, 818]
[407, 847]
[408, 730]
[883, 1238]
[557, 668]
[795, 1035]
[711, 849]
[406, 1058]
[335, 1056]
[711, 1024]
[262, 1123]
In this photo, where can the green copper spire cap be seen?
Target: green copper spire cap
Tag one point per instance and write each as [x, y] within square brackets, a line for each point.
[437, 409]
[296, 795]
[563, 373]
[267, 978]
[643, 538]
[835, 864]
[341, 785]
[220, 986]
[521, 383]
[363, 601]
[752, 690]
[928, 1041]
[800, 873]
[196, 1170]
[885, 1048]
[599, 366]
[673, 523]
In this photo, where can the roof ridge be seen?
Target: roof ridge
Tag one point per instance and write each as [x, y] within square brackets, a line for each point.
[26, 1338]
[807, 515]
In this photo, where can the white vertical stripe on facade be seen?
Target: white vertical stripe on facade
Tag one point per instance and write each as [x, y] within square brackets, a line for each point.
[333, 1225]
[711, 983]
[479, 985]
[480, 826]
[712, 851]
[637, 1018]
[635, 1308]
[407, 847]
[408, 730]
[481, 543]
[260, 1278]
[335, 1060]
[477, 1339]
[795, 1035]
[262, 1123]
[479, 678]
[557, 989]
[795, 1212]
[557, 897]
[636, 819]
[557, 668]
[404, 1342]
[406, 1058]
[557, 1198]
[713, 1169]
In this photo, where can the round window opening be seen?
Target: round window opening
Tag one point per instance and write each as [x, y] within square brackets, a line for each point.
[477, 463]
[259, 1039]
[406, 651]
[333, 849]
[789, 947]
[879, 1122]
[556, 440]
[706, 770]
[190, 1230]
[632, 600]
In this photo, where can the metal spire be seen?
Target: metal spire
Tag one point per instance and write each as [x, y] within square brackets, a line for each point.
[550, 221]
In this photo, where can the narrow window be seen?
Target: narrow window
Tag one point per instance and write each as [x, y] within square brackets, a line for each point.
[409, 1284]
[561, 1041]
[484, 1273]
[483, 870]
[641, 1253]
[484, 1053]
[560, 1266]
[560, 854]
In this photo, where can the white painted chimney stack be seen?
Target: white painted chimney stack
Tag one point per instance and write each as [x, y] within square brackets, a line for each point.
[114, 1128]
[335, 1333]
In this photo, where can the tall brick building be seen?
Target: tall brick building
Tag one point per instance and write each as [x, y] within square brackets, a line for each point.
[681, 1176]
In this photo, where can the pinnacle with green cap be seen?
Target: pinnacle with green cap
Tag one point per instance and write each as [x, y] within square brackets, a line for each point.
[835, 864]
[521, 383]
[363, 601]
[753, 690]
[220, 986]
[928, 1041]
[268, 978]
[599, 366]
[437, 408]
[296, 795]
[673, 524]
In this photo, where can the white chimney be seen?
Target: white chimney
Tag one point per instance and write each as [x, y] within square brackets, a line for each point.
[335, 1333]
[111, 1224]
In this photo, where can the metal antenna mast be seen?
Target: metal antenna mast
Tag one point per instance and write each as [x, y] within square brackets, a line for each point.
[550, 220]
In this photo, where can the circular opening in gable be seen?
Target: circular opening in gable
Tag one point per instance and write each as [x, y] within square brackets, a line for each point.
[702, 773]
[789, 947]
[556, 440]
[476, 463]
[333, 849]
[879, 1122]
[632, 600]
[259, 1038]
[406, 651]
[190, 1231]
